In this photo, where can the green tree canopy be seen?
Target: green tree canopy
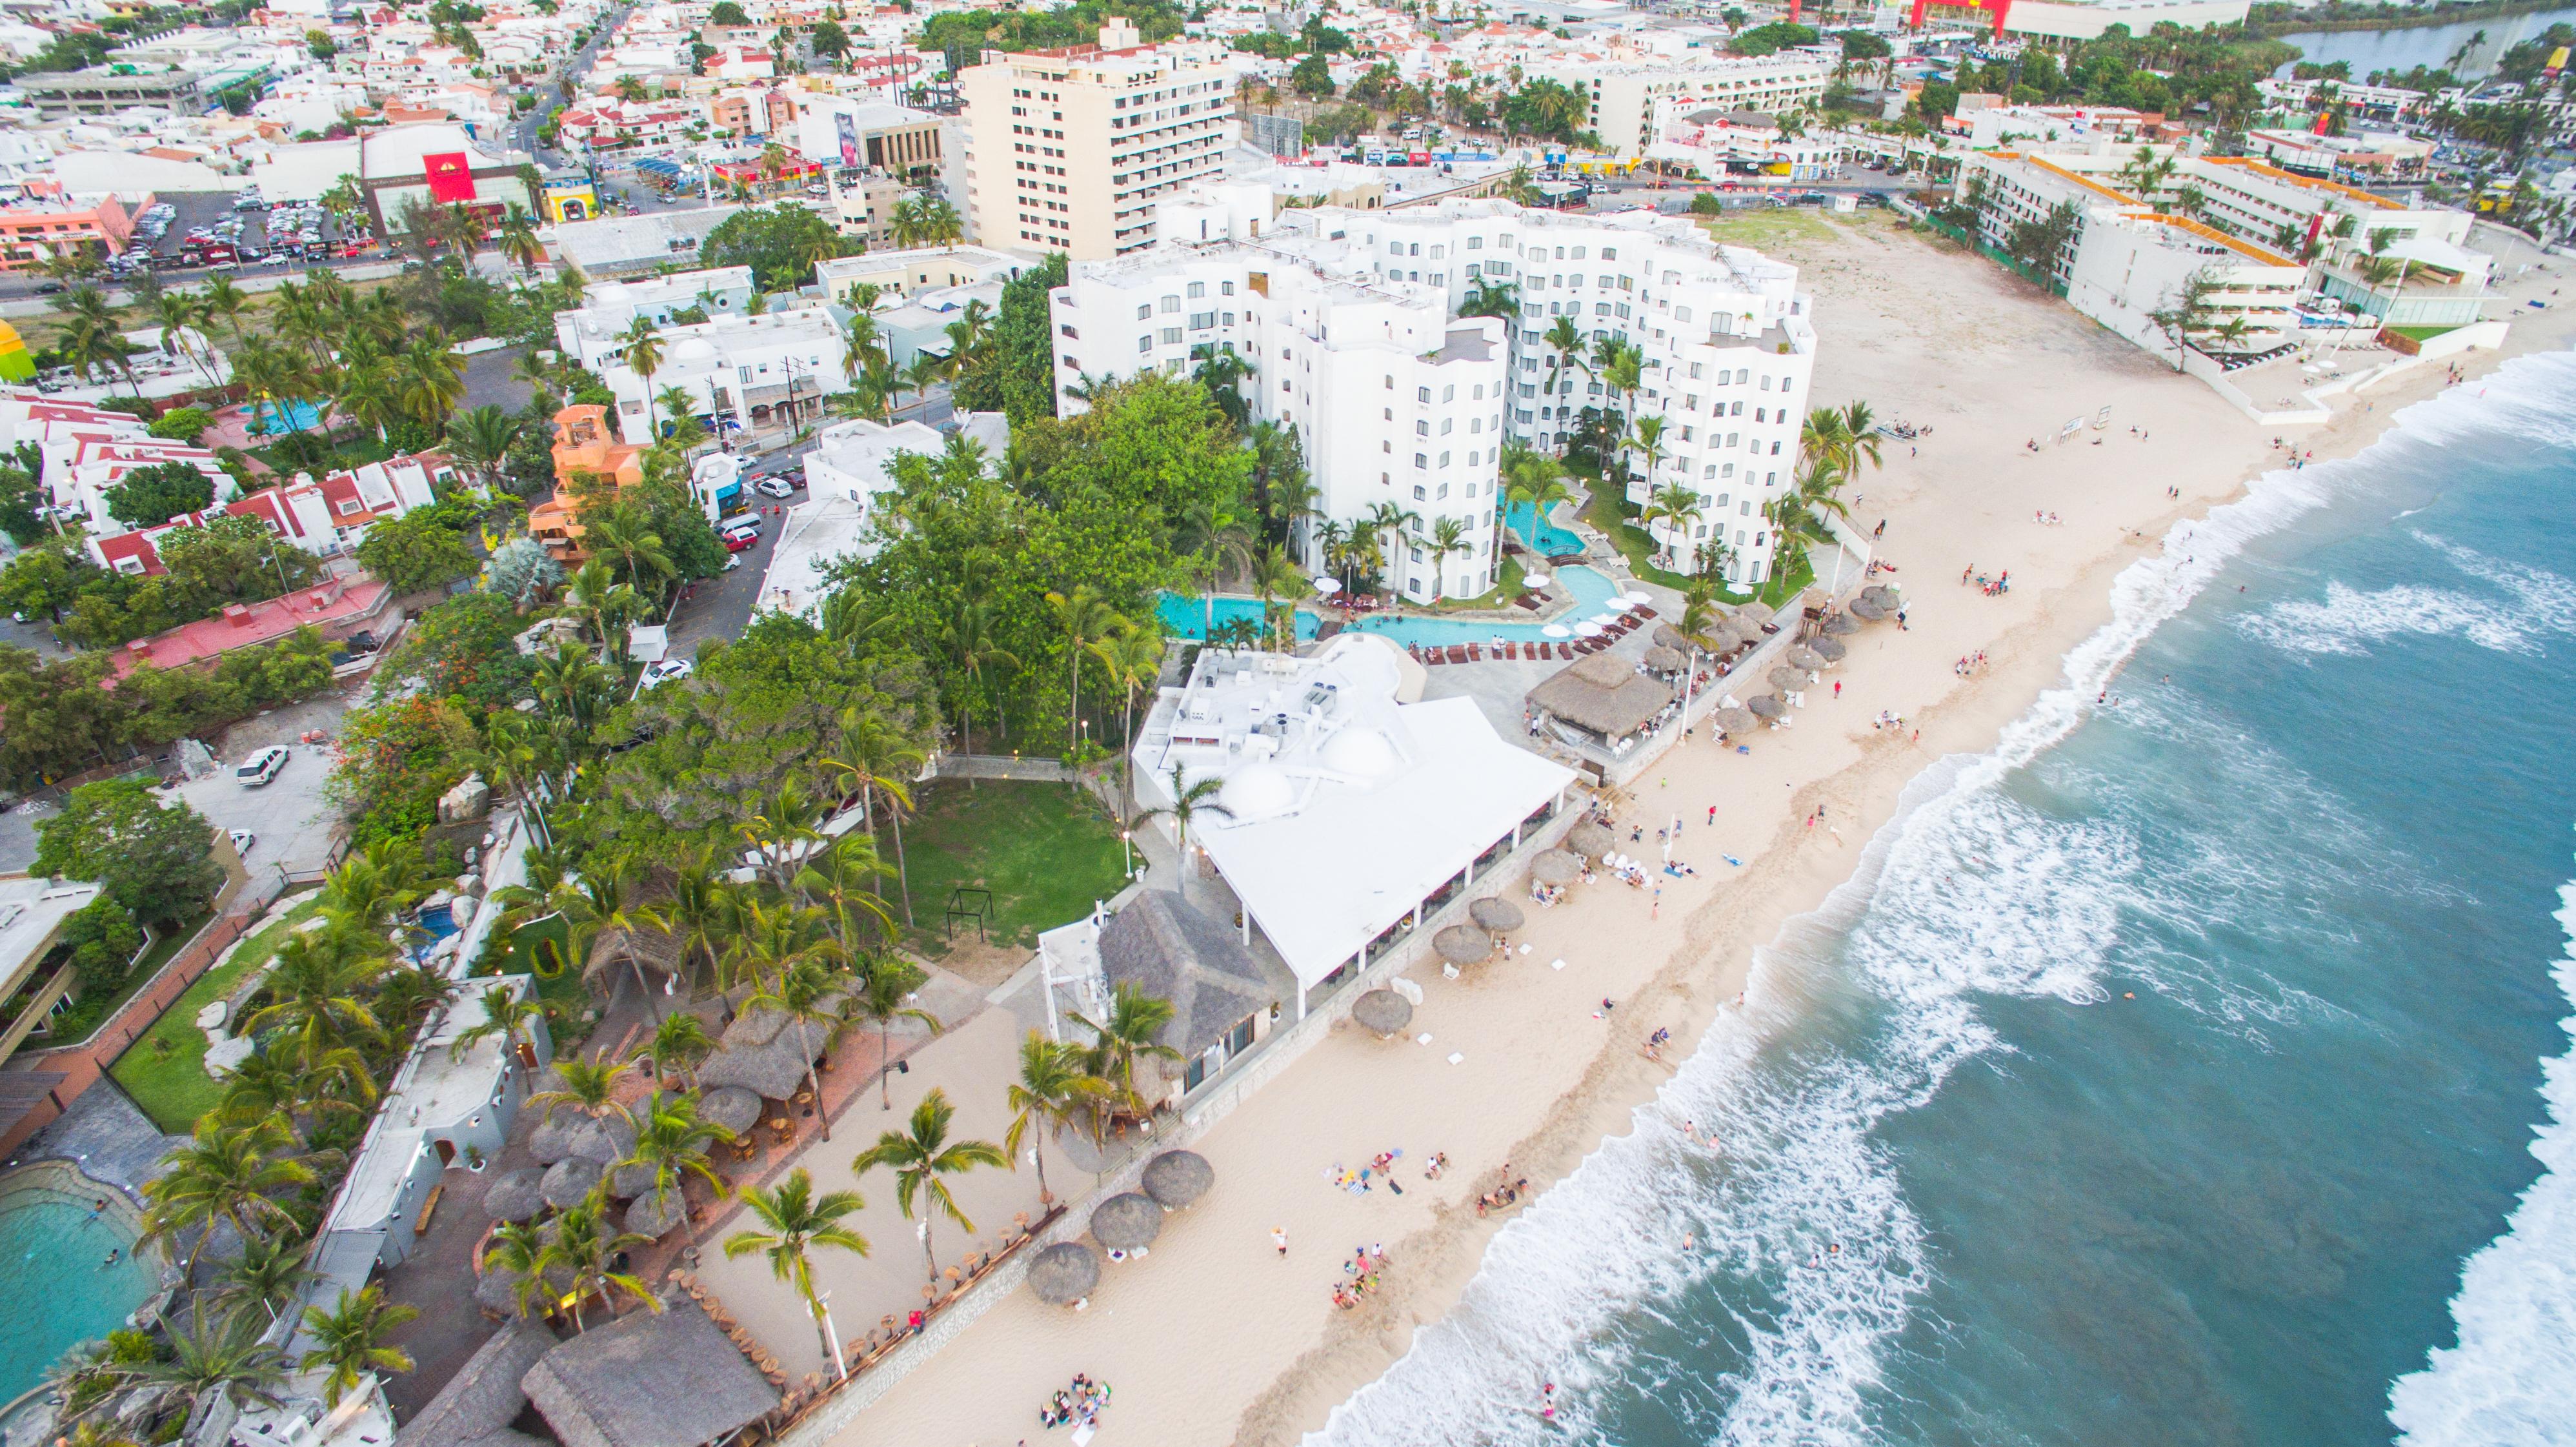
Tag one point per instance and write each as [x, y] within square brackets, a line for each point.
[157, 860]
[1014, 371]
[415, 551]
[150, 496]
[779, 244]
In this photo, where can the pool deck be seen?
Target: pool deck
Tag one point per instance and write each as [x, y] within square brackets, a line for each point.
[107, 1136]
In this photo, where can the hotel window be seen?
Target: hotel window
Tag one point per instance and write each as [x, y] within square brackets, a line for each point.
[1421, 460]
[1145, 343]
[1198, 289]
[1420, 493]
[1171, 304]
[1144, 310]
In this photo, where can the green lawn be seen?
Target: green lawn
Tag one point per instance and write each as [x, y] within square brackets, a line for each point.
[1771, 228]
[165, 1072]
[84, 1015]
[1498, 596]
[1046, 851]
[2422, 333]
[1612, 514]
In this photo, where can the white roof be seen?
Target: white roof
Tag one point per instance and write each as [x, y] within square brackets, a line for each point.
[1349, 807]
[432, 1091]
[31, 909]
[819, 532]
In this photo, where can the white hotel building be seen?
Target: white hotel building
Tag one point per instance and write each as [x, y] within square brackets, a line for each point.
[1350, 317]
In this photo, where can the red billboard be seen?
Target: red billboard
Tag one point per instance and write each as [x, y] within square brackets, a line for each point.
[451, 177]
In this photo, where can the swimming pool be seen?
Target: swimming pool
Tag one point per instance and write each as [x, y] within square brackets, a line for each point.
[273, 418]
[1546, 539]
[1187, 617]
[52, 1248]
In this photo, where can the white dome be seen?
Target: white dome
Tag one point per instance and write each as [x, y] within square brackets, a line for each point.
[1359, 753]
[1256, 791]
[693, 352]
[605, 291]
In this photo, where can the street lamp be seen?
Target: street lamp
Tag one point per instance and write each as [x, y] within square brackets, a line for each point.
[1127, 852]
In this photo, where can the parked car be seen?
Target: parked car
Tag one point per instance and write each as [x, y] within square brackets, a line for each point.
[773, 487]
[657, 674]
[261, 767]
[243, 839]
[738, 542]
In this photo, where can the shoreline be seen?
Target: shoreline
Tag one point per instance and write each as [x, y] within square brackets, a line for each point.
[1561, 1092]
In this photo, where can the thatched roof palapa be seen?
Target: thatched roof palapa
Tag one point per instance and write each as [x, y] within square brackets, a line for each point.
[656, 1212]
[1382, 1012]
[730, 1106]
[1128, 1221]
[1664, 660]
[1463, 944]
[1177, 1178]
[621, 949]
[513, 1197]
[569, 1182]
[1735, 720]
[1602, 693]
[650, 1379]
[1064, 1273]
[478, 1404]
[1556, 866]
[1162, 944]
[1587, 837]
[1829, 649]
[1499, 915]
[1868, 608]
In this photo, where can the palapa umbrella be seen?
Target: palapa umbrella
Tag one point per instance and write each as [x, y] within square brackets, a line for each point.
[729, 1106]
[1556, 867]
[1766, 705]
[1664, 660]
[1587, 629]
[497, 1291]
[1668, 636]
[1881, 595]
[1756, 614]
[1736, 720]
[1177, 1178]
[1588, 838]
[656, 1212]
[1781, 675]
[1829, 649]
[1128, 1221]
[1463, 944]
[553, 1139]
[1721, 637]
[1841, 626]
[1805, 657]
[1064, 1273]
[626, 1182]
[569, 1181]
[1499, 915]
[513, 1197]
[1864, 608]
[1382, 1012]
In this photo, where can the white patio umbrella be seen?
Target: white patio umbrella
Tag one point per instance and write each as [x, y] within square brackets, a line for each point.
[1587, 629]
[1535, 580]
[1328, 586]
[1637, 597]
[1557, 630]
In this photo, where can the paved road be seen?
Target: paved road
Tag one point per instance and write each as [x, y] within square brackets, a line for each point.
[290, 814]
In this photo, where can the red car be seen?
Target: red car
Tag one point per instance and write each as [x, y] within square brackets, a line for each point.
[736, 542]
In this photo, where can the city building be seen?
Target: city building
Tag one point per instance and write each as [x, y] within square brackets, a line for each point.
[337, 607]
[610, 247]
[2077, 19]
[853, 134]
[32, 914]
[326, 518]
[850, 468]
[1070, 150]
[436, 163]
[46, 224]
[919, 269]
[1400, 408]
[764, 375]
[1353, 811]
[596, 330]
[1624, 92]
[586, 455]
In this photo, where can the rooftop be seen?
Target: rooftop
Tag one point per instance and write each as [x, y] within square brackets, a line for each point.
[31, 910]
[241, 625]
[665, 1378]
[431, 1091]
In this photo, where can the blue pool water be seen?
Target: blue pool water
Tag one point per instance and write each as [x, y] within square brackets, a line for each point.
[439, 920]
[1546, 538]
[2191, 1070]
[1187, 617]
[275, 418]
[50, 1252]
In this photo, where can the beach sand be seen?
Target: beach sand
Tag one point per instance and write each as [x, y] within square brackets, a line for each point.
[1212, 1336]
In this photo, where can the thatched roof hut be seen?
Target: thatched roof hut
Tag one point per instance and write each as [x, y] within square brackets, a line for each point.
[478, 1404]
[1587, 837]
[730, 1106]
[650, 1379]
[567, 1133]
[569, 1182]
[513, 1197]
[1064, 1273]
[1556, 866]
[1499, 915]
[1664, 660]
[1163, 945]
[1382, 1012]
[656, 1212]
[1177, 1178]
[1602, 693]
[617, 953]
[1463, 944]
[1128, 1221]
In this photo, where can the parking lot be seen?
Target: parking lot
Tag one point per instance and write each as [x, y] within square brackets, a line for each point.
[289, 815]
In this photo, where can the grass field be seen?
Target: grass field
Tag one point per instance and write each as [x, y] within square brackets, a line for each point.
[1768, 228]
[1613, 516]
[165, 1072]
[1046, 851]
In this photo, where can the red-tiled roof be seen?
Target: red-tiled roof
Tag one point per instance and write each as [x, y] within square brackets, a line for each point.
[334, 605]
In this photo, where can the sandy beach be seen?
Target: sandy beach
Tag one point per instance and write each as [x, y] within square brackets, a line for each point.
[1214, 1336]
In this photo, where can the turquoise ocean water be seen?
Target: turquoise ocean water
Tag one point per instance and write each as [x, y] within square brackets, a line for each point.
[2190, 1070]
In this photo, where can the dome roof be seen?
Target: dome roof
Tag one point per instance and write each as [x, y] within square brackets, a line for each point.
[605, 291]
[1360, 753]
[692, 352]
[1257, 791]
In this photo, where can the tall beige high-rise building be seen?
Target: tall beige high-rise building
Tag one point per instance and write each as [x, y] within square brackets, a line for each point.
[1069, 150]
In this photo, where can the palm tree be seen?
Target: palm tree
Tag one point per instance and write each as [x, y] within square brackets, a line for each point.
[222, 298]
[972, 643]
[1133, 658]
[266, 1273]
[808, 992]
[225, 1361]
[586, 1250]
[1055, 1084]
[642, 355]
[518, 1247]
[1084, 615]
[676, 1047]
[919, 374]
[225, 1173]
[1448, 538]
[1189, 801]
[481, 438]
[883, 995]
[671, 1141]
[349, 1339]
[625, 531]
[1492, 299]
[586, 1086]
[1274, 576]
[1566, 340]
[919, 1158]
[793, 1221]
[1134, 1028]
[518, 238]
[1647, 437]
[880, 760]
[1676, 505]
[431, 381]
[315, 992]
[508, 1014]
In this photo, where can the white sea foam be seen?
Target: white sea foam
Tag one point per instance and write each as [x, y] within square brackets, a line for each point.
[2522, 607]
[2024, 906]
[2511, 1381]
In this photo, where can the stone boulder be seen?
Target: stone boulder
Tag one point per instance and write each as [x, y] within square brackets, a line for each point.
[471, 799]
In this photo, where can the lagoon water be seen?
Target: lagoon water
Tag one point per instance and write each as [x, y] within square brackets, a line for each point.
[2194, 1069]
[2434, 45]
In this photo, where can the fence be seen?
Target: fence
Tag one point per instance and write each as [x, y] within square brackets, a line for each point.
[1998, 256]
[81, 1064]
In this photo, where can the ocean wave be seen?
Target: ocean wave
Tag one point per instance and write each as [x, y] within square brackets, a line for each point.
[2526, 398]
[2526, 606]
[2507, 1382]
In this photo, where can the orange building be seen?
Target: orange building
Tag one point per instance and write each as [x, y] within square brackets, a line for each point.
[42, 227]
[583, 444]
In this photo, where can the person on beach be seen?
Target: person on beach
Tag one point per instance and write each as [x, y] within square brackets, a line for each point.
[1279, 1238]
